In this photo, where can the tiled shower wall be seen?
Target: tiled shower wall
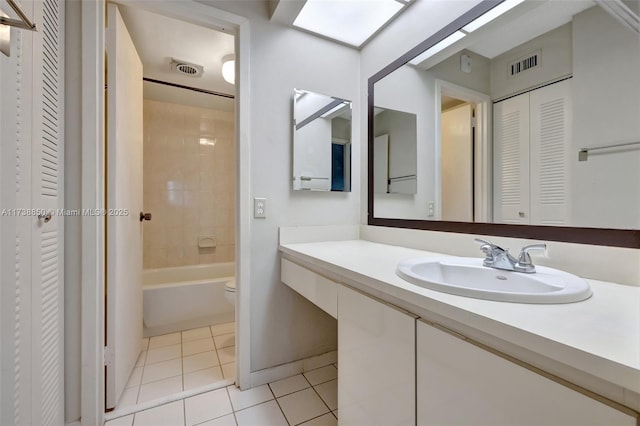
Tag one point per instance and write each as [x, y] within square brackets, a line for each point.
[189, 184]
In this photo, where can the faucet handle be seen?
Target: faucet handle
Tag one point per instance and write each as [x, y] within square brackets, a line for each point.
[524, 259]
[490, 251]
[487, 243]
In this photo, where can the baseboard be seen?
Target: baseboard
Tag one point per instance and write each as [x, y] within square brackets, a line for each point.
[76, 423]
[283, 371]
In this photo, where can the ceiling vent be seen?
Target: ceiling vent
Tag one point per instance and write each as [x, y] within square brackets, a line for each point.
[529, 61]
[187, 68]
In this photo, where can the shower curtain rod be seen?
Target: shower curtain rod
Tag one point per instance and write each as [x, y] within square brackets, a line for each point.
[195, 89]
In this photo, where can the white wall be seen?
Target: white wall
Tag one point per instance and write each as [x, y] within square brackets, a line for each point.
[312, 155]
[555, 62]
[410, 90]
[284, 326]
[478, 79]
[422, 19]
[606, 66]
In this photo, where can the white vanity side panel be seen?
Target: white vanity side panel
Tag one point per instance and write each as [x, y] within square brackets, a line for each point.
[376, 358]
[495, 391]
[319, 290]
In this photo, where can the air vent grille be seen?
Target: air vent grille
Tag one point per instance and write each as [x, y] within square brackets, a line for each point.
[186, 68]
[528, 62]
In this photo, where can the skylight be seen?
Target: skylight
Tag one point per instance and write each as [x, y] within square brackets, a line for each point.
[350, 21]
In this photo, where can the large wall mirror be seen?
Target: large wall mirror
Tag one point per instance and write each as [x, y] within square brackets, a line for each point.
[321, 142]
[521, 118]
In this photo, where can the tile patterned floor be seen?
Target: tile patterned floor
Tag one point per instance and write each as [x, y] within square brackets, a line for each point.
[180, 361]
[309, 399]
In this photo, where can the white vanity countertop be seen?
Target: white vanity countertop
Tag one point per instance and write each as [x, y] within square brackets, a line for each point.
[600, 336]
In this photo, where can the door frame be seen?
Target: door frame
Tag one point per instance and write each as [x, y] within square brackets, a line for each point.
[93, 241]
[483, 152]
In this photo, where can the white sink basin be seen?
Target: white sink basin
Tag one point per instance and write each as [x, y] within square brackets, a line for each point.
[466, 276]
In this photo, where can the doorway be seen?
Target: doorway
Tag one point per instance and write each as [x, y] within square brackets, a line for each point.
[457, 159]
[464, 152]
[171, 160]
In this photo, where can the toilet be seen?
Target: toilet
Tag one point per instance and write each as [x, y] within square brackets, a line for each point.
[230, 291]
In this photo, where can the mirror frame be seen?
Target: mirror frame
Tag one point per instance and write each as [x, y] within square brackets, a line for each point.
[629, 238]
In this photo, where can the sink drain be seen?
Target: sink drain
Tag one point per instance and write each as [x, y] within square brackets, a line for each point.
[501, 277]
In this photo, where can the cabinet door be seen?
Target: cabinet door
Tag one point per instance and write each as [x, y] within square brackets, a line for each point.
[549, 151]
[376, 362]
[511, 160]
[461, 384]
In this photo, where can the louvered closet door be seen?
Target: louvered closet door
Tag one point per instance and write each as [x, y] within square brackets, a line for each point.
[549, 146]
[511, 160]
[47, 245]
[15, 190]
[16, 96]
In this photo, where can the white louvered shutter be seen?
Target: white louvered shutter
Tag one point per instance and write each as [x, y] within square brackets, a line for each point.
[16, 90]
[511, 160]
[550, 127]
[47, 158]
[31, 178]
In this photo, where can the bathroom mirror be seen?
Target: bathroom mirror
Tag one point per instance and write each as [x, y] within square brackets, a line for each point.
[534, 135]
[321, 142]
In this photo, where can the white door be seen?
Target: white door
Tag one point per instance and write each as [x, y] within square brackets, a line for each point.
[377, 354]
[550, 143]
[124, 203]
[458, 383]
[47, 238]
[511, 160]
[457, 164]
[32, 249]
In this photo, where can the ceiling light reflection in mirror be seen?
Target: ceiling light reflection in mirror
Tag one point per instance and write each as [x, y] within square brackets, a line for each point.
[350, 21]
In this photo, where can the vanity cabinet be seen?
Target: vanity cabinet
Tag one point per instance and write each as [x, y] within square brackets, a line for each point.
[376, 362]
[459, 383]
[319, 290]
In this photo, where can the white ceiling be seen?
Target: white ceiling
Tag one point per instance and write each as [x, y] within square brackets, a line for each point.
[158, 39]
[522, 23]
[524, 26]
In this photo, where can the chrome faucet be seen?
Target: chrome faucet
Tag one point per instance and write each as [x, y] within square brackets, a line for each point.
[499, 258]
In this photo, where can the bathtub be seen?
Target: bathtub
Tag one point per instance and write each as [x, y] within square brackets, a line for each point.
[185, 297]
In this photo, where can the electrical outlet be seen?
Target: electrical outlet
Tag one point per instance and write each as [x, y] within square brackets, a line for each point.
[431, 208]
[260, 208]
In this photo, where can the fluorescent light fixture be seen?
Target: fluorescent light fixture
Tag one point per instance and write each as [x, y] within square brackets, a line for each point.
[443, 44]
[349, 21]
[229, 69]
[491, 15]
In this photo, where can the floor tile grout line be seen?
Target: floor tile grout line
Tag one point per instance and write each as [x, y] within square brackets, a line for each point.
[146, 348]
[182, 370]
[312, 418]
[148, 405]
[279, 406]
[321, 399]
[184, 411]
[233, 411]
